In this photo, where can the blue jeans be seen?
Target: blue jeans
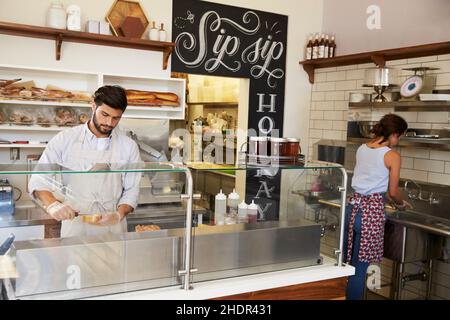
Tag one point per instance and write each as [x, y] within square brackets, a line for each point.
[357, 282]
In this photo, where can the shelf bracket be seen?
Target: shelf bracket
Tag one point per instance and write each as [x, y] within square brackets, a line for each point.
[379, 60]
[309, 69]
[166, 55]
[59, 39]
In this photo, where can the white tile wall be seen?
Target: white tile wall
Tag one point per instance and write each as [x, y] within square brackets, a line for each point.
[330, 94]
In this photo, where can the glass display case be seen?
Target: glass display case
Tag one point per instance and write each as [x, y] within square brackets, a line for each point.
[291, 220]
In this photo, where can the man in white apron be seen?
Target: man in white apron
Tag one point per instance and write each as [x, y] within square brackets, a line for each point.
[94, 146]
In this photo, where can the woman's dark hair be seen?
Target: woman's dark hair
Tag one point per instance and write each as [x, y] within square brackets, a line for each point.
[390, 124]
[113, 96]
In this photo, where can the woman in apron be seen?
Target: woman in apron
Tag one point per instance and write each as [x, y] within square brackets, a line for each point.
[377, 171]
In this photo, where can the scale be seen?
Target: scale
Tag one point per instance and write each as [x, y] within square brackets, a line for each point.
[419, 83]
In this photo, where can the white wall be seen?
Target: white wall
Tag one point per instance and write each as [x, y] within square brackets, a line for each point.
[403, 23]
[305, 16]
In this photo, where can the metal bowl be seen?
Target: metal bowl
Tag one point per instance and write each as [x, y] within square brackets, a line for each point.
[366, 127]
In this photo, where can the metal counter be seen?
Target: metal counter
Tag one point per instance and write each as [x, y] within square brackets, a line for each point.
[28, 215]
[133, 261]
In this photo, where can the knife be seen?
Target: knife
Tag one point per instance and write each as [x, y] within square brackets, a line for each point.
[6, 244]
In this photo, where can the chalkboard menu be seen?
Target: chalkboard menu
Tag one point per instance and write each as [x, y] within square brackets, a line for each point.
[220, 40]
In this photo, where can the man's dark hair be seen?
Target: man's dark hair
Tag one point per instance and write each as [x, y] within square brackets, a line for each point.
[113, 96]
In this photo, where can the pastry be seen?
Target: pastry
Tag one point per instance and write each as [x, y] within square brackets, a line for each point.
[83, 118]
[143, 228]
[18, 117]
[65, 116]
[2, 117]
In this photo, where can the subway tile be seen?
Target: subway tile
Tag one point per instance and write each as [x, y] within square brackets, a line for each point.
[422, 59]
[439, 126]
[315, 133]
[429, 165]
[408, 116]
[340, 125]
[436, 117]
[324, 86]
[407, 163]
[336, 76]
[447, 167]
[360, 83]
[323, 124]
[415, 153]
[320, 77]
[333, 115]
[346, 85]
[344, 68]
[422, 125]
[444, 66]
[323, 105]
[332, 134]
[324, 70]
[318, 96]
[334, 96]
[341, 105]
[316, 115]
[414, 174]
[366, 65]
[440, 155]
[443, 79]
[355, 74]
[439, 178]
[396, 62]
[444, 57]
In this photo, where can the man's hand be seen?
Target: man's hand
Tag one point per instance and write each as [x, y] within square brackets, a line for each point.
[60, 211]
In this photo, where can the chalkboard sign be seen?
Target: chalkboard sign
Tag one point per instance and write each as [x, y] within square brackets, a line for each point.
[220, 40]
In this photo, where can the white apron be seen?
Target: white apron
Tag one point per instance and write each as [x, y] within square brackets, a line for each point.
[92, 193]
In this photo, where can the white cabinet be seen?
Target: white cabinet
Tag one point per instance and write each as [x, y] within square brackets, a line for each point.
[80, 81]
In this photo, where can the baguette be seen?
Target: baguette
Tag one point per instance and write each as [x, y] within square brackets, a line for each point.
[148, 95]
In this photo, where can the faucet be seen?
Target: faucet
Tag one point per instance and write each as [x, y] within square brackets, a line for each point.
[410, 194]
[431, 196]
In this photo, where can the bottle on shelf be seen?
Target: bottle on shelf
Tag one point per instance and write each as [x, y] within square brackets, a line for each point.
[162, 33]
[220, 208]
[309, 48]
[327, 47]
[252, 212]
[232, 204]
[322, 46]
[332, 50]
[56, 16]
[242, 212]
[315, 51]
[153, 34]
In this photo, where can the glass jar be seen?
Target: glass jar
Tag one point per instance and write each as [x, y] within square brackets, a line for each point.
[278, 147]
[56, 16]
[293, 147]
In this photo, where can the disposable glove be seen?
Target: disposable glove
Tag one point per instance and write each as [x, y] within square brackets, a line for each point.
[60, 211]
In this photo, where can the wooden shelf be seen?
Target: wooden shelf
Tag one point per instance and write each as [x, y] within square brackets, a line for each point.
[60, 35]
[212, 104]
[404, 105]
[378, 57]
[23, 146]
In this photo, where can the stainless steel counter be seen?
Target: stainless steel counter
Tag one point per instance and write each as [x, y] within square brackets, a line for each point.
[413, 219]
[30, 215]
[26, 216]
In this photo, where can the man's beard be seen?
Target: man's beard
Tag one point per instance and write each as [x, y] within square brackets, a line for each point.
[101, 128]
